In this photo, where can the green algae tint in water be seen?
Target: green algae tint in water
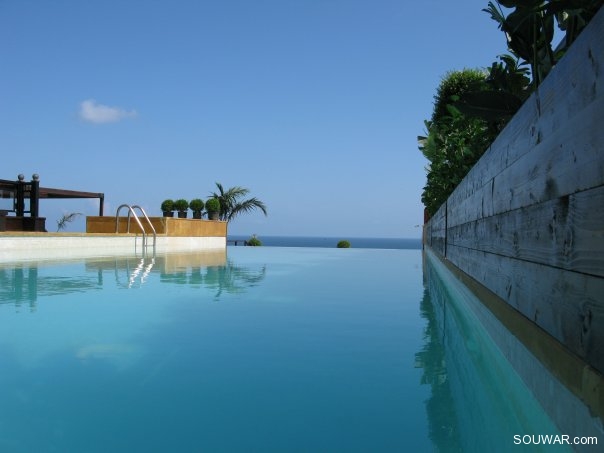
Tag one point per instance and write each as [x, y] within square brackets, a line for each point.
[267, 349]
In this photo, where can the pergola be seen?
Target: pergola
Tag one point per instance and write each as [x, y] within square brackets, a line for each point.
[22, 190]
[47, 192]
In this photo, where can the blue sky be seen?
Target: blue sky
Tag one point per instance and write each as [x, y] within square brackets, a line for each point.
[314, 105]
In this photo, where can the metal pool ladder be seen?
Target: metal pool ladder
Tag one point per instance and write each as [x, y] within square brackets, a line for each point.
[140, 225]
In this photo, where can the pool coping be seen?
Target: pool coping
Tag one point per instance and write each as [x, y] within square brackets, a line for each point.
[18, 246]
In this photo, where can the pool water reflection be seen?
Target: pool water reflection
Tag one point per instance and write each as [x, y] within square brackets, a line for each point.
[263, 349]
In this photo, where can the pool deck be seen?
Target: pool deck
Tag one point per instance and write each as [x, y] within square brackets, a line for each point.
[38, 245]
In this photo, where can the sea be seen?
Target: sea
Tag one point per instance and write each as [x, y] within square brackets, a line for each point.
[329, 242]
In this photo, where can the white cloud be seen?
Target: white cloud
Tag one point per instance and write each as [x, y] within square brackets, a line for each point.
[93, 112]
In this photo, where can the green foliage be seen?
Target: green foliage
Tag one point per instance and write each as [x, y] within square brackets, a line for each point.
[457, 145]
[67, 218]
[196, 204]
[508, 86]
[529, 29]
[343, 244]
[454, 142]
[456, 83]
[181, 205]
[167, 205]
[254, 241]
[213, 205]
[511, 75]
[231, 203]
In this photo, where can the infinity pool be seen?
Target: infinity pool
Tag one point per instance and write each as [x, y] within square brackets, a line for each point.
[253, 349]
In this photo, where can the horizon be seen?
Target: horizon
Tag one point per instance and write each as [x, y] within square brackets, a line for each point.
[325, 237]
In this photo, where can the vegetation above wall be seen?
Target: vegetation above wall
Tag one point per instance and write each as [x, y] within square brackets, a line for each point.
[453, 141]
[529, 32]
[226, 204]
[471, 107]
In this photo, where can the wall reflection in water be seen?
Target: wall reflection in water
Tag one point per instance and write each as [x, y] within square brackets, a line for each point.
[486, 385]
[23, 283]
[219, 275]
[443, 430]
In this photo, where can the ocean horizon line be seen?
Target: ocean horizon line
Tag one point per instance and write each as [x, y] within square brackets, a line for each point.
[330, 241]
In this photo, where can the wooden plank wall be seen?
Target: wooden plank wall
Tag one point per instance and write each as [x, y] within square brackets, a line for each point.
[436, 231]
[528, 220]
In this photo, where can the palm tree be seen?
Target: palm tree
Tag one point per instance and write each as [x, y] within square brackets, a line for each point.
[231, 204]
[67, 218]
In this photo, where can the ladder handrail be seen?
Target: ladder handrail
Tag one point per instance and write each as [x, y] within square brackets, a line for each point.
[148, 221]
[140, 225]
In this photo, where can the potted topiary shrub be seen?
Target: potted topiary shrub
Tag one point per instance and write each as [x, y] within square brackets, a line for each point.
[196, 206]
[181, 206]
[167, 208]
[213, 208]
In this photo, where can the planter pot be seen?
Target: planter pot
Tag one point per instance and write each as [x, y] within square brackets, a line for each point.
[168, 213]
[213, 215]
[182, 214]
[197, 214]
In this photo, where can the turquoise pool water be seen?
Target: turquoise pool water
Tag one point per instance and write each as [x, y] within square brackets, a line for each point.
[259, 349]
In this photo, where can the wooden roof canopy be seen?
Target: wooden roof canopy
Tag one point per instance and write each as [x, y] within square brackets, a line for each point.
[32, 190]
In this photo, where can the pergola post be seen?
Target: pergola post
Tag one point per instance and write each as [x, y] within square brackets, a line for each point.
[34, 196]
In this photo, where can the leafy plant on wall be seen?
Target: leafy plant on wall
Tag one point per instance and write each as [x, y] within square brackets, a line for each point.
[471, 107]
[453, 141]
[529, 30]
[507, 86]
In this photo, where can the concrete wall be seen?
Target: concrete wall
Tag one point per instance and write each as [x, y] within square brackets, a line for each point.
[528, 220]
